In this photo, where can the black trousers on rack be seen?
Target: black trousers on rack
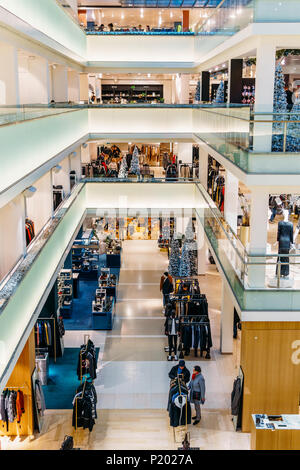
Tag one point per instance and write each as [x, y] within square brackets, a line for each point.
[172, 339]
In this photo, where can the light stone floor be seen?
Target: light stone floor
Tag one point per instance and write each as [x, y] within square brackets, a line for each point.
[132, 383]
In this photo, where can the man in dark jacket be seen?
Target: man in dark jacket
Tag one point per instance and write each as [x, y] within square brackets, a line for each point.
[166, 287]
[180, 369]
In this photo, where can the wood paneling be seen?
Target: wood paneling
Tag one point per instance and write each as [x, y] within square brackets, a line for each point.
[271, 374]
[266, 439]
[21, 377]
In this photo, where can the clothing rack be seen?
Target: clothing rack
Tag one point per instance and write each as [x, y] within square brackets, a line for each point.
[28, 396]
[86, 338]
[54, 334]
[79, 398]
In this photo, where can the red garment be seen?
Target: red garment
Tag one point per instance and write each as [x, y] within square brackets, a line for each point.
[20, 405]
[194, 375]
[105, 166]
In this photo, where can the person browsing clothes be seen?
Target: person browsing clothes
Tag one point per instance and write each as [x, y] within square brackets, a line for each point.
[197, 392]
[180, 369]
[166, 287]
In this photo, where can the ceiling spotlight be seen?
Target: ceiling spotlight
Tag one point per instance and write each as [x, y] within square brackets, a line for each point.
[57, 168]
[84, 145]
[29, 192]
[99, 75]
[73, 154]
[149, 75]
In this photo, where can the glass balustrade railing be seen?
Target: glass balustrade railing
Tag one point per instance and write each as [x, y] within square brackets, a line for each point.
[11, 282]
[245, 271]
[15, 114]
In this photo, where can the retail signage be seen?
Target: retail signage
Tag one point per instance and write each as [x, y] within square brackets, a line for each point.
[296, 354]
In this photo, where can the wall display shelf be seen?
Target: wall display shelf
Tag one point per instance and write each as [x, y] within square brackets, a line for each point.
[138, 93]
[65, 292]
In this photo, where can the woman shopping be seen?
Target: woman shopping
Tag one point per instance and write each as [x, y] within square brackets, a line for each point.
[197, 392]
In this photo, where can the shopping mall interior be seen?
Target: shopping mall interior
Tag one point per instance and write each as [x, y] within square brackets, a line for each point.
[149, 225]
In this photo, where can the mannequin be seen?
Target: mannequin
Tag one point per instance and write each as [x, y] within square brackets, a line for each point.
[285, 240]
[171, 329]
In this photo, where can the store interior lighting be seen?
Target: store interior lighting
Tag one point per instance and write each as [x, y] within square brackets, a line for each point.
[29, 192]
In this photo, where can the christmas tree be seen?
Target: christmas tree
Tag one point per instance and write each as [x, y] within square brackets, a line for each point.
[135, 165]
[220, 96]
[191, 244]
[123, 168]
[185, 267]
[174, 260]
[280, 106]
[293, 130]
[197, 94]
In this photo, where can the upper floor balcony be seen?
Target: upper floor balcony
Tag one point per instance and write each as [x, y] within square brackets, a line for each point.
[37, 136]
[167, 35]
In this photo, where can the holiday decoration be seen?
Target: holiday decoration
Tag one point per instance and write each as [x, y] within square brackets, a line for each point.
[184, 267]
[197, 94]
[174, 260]
[280, 106]
[191, 245]
[293, 130]
[135, 165]
[220, 93]
[123, 168]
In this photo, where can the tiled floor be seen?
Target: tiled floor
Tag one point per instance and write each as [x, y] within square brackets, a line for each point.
[132, 384]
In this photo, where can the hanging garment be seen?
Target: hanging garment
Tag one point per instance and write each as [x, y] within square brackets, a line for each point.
[236, 396]
[20, 406]
[179, 406]
[29, 231]
[84, 406]
[87, 363]
[285, 239]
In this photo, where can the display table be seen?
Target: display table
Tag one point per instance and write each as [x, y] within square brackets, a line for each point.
[103, 320]
[273, 434]
[113, 261]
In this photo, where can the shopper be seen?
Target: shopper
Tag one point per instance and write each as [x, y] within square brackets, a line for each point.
[171, 331]
[166, 286]
[111, 27]
[180, 369]
[197, 392]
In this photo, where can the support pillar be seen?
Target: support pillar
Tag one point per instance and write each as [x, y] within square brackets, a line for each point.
[84, 87]
[60, 84]
[205, 76]
[258, 235]
[235, 76]
[9, 81]
[185, 152]
[73, 86]
[226, 334]
[231, 200]
[264, 94]
[185, 20]
[183, 88]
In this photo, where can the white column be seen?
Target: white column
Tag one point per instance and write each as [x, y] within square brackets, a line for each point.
[75, 162]
[202, 249]
[258, 235]
[185, 152]
[264, 94]
[183, 220]
[84, 87]
[183, 88]
[231, 199]
[63, 176]
[9, 81]
[226, 334]
[85, 154]
[34, 80]
[73, 86]
[203, 166]
[60, 84]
